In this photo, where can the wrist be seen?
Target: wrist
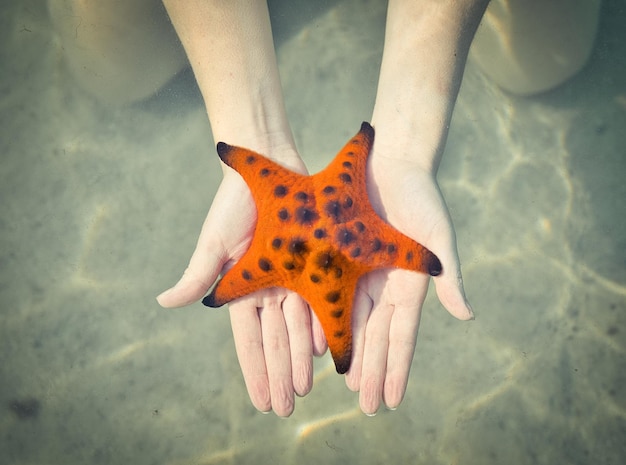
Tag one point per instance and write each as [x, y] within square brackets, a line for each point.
[231, 51]
[426, 46]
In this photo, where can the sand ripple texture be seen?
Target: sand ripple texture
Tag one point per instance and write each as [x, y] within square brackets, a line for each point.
[101, 206]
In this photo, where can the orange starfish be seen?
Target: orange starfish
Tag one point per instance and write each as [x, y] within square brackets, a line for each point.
[317, 235]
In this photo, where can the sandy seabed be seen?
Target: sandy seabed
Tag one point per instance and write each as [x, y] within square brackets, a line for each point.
[100, 208]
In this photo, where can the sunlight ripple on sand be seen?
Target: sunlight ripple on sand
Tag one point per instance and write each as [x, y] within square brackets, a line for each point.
[210, 458]
[306, 429]
[126, 351]
[94, 224]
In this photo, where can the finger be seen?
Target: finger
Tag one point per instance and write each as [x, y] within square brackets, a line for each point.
[361, 309]
[248, 338]
[374, 365]
[402, 338]
[298, 321]
[450, 291]
[276, 350]
[449, 284]
[317, 336]
[204, 268]
[224, 235]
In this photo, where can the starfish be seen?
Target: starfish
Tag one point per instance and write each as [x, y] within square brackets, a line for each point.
[317, 235]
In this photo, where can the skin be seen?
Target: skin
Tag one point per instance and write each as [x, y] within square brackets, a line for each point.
[118, 51]
[404, 163]
[124, 51]
[275, 333]
[532, 46]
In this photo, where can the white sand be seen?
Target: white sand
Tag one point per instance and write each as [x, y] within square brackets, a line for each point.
[100, 208]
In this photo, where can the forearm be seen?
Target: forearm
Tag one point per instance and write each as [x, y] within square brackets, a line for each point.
[426, 46]
[230, 48]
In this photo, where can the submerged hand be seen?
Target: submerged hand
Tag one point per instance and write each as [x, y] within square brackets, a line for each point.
[388, 303]
[275, 334]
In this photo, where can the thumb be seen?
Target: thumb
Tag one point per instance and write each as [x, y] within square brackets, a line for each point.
[204, 268]
[449, 284]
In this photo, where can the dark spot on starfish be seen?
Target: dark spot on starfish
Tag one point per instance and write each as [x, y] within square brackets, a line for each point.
[409, 256]
[265, 264]
[289, 265]
[245, 274]
[347, 203]
[347, 164]
[210, 300]
[328, 190]
[345, 236]
[350, 154]
[355, 252]
[333, 209]
[305, 215]
[264, 172]
[315, 278]
[338, 272]
[343, 364]
[223, 149]
[301, 196]
[345, 178]
[276, 243]
[280, 191]
[250, 159]
[283, 214]
[434, 266]
[391, 248]
[339, 334]
[319, 233]
[360, 227]
[332, 296]
[376, 245]
[324, 260]
[337, 313]
[297, 247]
[367, 130]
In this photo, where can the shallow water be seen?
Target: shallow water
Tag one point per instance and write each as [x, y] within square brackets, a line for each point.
[101, 208]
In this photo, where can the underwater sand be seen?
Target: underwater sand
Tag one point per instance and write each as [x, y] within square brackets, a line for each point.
[100, 209]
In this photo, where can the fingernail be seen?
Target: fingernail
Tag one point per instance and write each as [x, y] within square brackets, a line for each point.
[471, 310]
[163, 294]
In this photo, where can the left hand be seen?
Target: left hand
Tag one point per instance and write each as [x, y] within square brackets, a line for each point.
[274, 331]
[388, 303]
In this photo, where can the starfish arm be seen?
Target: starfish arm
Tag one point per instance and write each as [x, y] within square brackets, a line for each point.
[379, 245]
[337, 325]
[248, 275]
[277, 256]
[356, 227]
[329, 284]
[409, 254]
[341, 186]
[349, 165]
[265, 178]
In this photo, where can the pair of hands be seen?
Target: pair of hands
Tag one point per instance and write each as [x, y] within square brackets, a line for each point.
[276, 334]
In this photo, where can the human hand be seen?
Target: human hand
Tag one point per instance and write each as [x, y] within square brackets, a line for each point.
[388, 303]
[275, 333]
